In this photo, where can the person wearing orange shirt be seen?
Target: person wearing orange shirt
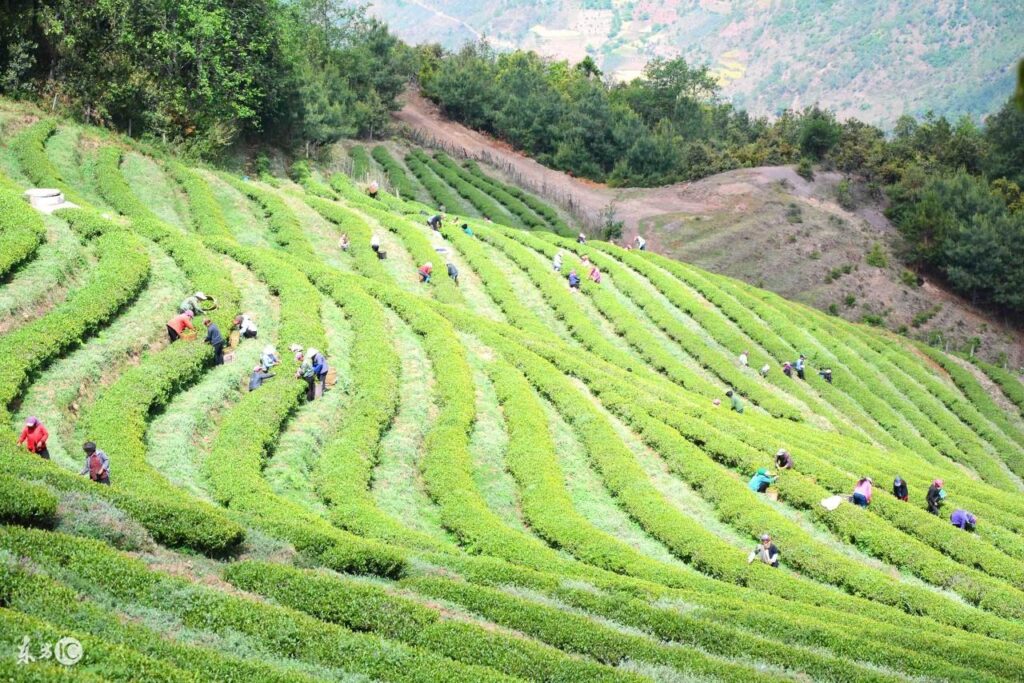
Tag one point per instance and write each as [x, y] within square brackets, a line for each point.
[178, 324]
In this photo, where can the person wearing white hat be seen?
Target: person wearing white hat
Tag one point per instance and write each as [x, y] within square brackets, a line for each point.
[192, 303]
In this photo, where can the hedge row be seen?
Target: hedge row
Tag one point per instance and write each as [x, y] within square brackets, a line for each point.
[771, 581]
[250, 428]
[415, 238]
[849, 354]
[437, 188]
[546, 503]
[207, 215]
[281, 220]
[121, 272]
[721, 291]
[396, 174]
[944, 417]
[343, 473]
[21, 231]
[555, 291]
[26, 503]
[697, 348]
[542, 209]
[481, 201]
[876, 536]
[44, 598]
[118, 419]
[573, 633]
[747, 511]
[980, 412]
[360, 161]
[100, 661]
[817, 459]
[1007, 381]
[29, 148]
[284, 632]
[626, 324]
[723, 330]
[359, 233]
[521, 213]
[859, 606]
[355, 196]
[363, 607]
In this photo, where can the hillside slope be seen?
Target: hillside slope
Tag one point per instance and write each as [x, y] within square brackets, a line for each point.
[507, 479]
[870, 60]
[767, 226]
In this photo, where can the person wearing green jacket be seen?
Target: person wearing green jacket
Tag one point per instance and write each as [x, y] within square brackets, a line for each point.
[735, 401]
[760, 482]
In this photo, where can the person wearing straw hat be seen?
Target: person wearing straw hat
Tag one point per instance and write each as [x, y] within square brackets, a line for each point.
[192, 303]
[766, 552]
[34, 436]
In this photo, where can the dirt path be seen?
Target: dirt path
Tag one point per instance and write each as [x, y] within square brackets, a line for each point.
[583, 198]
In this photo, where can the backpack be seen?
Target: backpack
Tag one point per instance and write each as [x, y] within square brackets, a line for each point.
[95, 466]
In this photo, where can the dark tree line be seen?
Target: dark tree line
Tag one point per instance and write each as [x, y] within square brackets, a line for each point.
[202, 73]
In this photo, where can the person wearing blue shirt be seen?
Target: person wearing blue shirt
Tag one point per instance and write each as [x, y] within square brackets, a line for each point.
[320, 369]
[799, 365]
[216, 340]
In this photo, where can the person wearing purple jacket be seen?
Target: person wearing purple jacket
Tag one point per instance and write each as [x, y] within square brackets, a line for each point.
[963, 519]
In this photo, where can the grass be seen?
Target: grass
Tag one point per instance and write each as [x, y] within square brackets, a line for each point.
[64, 389]
[247, 225]
[59, 265]
[591, 498]
[294, 458]
[74, 157]
[397, 487]
[180, 437]
[488, 443]
[163, 196]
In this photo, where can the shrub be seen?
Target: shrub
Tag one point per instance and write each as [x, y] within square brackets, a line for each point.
[909, 278]
[805, 169]
[844, 196]
[396, 174]
[21, 231]
[877, 257]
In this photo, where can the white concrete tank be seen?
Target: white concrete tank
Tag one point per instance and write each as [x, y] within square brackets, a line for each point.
[46, 200]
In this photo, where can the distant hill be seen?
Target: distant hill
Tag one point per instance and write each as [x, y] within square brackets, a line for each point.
[870, 60]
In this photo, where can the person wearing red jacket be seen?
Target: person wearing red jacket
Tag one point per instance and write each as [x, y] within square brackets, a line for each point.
[178, 324]
[425, 271]
[34, 436]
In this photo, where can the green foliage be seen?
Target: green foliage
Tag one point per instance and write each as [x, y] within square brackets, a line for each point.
[909, 278]
[805, 169]
[396, 174]
[925, 315]
[360, 161]
[201, 75]
[877, 257]
[819, 133]
[21, 231]
[25, 503]
[843, 195]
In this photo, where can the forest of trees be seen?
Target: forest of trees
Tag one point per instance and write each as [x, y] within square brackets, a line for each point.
[202, 74]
